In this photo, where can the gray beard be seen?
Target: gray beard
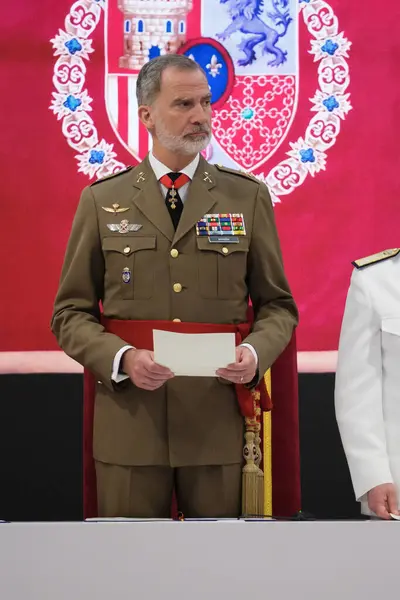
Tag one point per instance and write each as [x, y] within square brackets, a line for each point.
[179, 144]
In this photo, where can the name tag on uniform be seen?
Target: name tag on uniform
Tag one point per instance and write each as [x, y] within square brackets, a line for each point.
[221, 228]
[216, 239]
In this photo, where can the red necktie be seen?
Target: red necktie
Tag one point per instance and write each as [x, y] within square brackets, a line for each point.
[174, 181]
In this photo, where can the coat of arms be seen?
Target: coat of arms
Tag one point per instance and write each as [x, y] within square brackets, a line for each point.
[248, 49]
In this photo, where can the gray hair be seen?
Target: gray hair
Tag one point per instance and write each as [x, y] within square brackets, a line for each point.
[148, 83]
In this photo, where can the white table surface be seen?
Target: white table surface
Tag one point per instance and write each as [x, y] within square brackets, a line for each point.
[335, 560]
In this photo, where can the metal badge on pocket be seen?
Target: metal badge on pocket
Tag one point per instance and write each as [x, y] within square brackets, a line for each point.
[124, 226]
[126, 275]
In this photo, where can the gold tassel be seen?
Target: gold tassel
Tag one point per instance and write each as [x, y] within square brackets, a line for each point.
[252, 475]
[249, 477]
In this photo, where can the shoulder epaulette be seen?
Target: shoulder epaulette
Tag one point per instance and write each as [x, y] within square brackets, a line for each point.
[235, 172]
[111, 176]
[375, 258]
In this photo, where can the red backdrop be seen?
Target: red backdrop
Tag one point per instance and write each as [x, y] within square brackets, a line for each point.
[344, 212]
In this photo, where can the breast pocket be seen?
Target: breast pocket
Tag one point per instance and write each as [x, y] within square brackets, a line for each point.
[129, 264]
[222, 268]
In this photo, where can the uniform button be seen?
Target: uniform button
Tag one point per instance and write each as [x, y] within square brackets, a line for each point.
[225, 250]
[177, 321]
[174, 253]
[177, 287]
[127, 250]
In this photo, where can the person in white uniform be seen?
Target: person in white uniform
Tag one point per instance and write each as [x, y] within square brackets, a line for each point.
[367, 388]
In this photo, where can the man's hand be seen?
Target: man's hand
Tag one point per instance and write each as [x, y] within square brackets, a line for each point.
[243, 370]
[382, 500]
[143, 371]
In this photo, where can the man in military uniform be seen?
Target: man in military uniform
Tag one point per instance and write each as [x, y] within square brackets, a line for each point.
[367, 396]
[178, 240]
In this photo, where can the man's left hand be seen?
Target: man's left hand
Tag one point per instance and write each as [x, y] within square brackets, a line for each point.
[243, 370]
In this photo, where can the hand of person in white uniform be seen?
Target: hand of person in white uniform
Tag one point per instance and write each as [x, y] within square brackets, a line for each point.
[382, 500]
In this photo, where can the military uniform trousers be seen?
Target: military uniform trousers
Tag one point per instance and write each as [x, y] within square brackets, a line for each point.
[146, 492]
[187, 435]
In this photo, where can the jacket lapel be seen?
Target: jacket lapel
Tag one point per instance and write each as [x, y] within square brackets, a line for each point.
[149, 200]
[199, 200]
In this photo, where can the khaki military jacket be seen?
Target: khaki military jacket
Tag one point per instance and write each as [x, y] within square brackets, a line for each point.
[144, 269]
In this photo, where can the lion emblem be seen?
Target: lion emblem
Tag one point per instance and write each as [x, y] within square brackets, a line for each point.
[246, 19]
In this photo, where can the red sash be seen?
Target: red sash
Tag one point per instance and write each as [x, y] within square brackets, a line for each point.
[140, 335]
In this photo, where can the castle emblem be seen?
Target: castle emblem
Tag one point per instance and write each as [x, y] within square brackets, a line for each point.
[151, 28]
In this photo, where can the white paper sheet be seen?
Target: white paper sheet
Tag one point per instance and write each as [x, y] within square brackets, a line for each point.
[191, 354]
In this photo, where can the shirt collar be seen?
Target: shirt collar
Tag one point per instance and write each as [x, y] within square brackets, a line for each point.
[160, 170]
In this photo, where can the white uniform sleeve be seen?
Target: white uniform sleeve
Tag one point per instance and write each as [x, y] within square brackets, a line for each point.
[358, 391]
